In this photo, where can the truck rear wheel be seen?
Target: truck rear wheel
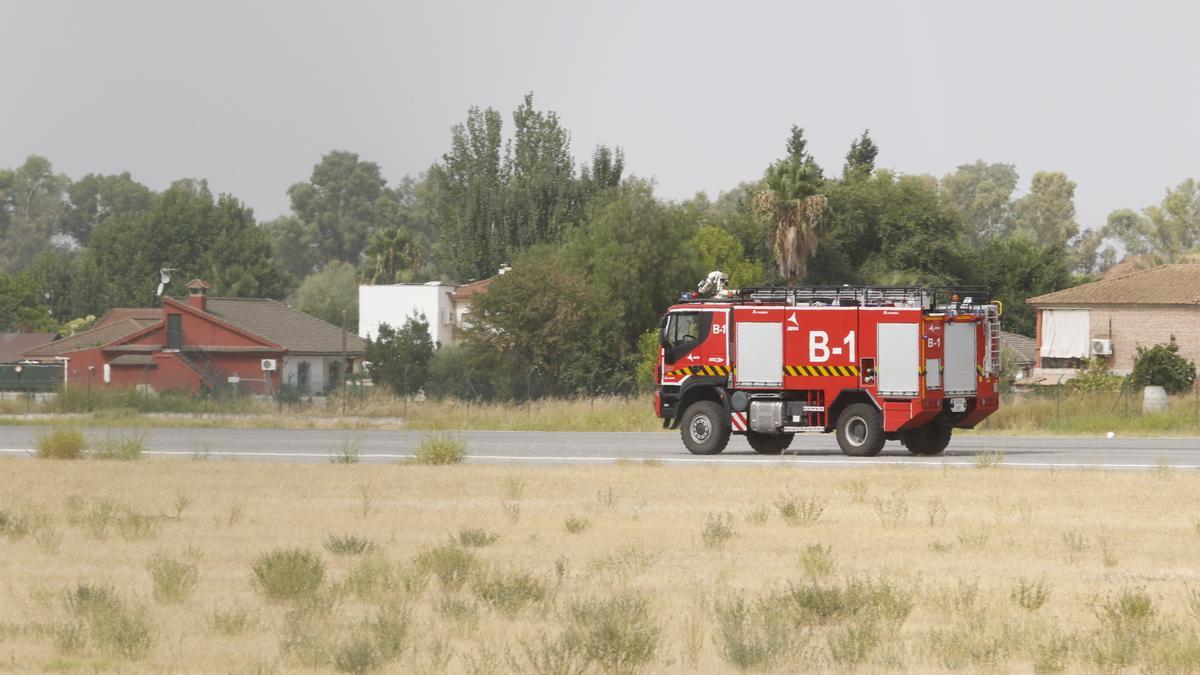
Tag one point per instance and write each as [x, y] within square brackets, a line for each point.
[705, 428]
[928, 441]
[860, 430]
[769, 444]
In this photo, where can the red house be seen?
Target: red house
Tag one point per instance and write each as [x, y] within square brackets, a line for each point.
[253, 344]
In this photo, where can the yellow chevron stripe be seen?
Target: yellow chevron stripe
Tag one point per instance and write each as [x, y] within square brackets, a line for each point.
[820, 371]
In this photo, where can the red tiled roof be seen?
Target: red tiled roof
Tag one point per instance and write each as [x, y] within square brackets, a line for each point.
[1162, 285]
[12, 345]
[146, 316]
[97, 336]
[467, 291]
[292, 329]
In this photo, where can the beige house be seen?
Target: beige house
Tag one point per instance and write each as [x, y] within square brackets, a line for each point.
[1111, 318]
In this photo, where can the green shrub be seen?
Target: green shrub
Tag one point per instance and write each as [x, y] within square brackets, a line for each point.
[1162, 366]
[125, 447]
[475, 537]
[288, 574]
[15, 525]
[718, 529]
[617, 633]
[576, 524]
[441, 449]
[509, 592]
[232, 621]
[359, 655]
[174, 581]
[450, 563]
[372, 576]
[817, 561]
[389, 631]
[61, 443]
[98, 616]
[754, 636]
[1130, 611]
[799, 509]
[1095, 376]
[348, 544]
[134, 526]
[1029, 595]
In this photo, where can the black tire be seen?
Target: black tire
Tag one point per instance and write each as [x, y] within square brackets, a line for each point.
[705, 428]
[769, 444]
[927, 441]
[860, 430]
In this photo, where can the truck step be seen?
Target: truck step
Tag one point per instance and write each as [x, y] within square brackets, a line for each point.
[803, 430]
[814, 408]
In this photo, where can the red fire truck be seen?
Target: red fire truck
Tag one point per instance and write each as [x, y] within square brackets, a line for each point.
[870, 363]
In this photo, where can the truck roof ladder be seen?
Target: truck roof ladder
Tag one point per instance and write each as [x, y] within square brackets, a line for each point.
[867, 296]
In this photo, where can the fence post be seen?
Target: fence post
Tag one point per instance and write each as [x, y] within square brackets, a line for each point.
[1058, 398]
[592, 387]
[404, 388]
[529, 390]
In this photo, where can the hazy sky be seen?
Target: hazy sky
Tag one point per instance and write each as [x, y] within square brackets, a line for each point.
[700, 95]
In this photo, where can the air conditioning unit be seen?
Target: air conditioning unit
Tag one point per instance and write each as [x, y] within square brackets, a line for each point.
[1101, 347]
[268, 364]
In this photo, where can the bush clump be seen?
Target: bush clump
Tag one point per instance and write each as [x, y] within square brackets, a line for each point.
[441, 449]
[348, 544]
[289, 574]
[1162, 366]
[61, 443]
[98, 616]
[173, 580]
[617, 633]
[509, 592]
[124, 448]
[450, 563]
[475, 537]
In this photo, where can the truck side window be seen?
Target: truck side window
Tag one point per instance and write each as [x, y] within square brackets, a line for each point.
[685, 331]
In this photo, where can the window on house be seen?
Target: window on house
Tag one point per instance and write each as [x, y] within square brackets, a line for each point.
[1065, 333]
[174, 331]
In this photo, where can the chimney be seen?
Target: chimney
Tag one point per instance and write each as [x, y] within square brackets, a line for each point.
[198, 294]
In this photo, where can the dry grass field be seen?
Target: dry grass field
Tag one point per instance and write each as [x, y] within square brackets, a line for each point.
[237, 567]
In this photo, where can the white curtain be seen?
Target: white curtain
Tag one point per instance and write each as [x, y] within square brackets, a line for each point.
[1065, 333]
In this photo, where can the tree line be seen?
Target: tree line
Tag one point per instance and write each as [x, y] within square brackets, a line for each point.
[596, 254]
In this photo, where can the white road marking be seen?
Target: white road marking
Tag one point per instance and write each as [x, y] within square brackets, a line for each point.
[784, 461]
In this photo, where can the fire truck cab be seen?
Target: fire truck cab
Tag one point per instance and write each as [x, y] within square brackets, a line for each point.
[870, 363]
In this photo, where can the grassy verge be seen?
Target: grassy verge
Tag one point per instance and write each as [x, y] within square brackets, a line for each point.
[278, 568]
[1072, 414]
[1093, 414]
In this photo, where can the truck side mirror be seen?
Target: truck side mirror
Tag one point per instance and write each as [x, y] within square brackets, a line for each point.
[662, 331]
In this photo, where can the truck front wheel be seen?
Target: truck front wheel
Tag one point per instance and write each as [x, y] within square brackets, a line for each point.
[769, 444]
[860, 430]
[705, 428]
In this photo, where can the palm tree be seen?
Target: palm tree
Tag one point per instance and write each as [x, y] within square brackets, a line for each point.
[788, 196]
[392, 250]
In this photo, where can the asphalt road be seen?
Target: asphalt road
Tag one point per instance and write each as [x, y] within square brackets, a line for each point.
[598, 448]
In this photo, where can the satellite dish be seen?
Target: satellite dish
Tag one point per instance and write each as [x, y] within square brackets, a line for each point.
[164, 278]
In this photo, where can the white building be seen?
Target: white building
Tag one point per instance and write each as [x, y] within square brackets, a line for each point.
[444, 306]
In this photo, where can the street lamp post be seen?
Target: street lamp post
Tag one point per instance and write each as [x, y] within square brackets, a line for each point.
[91, 372]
